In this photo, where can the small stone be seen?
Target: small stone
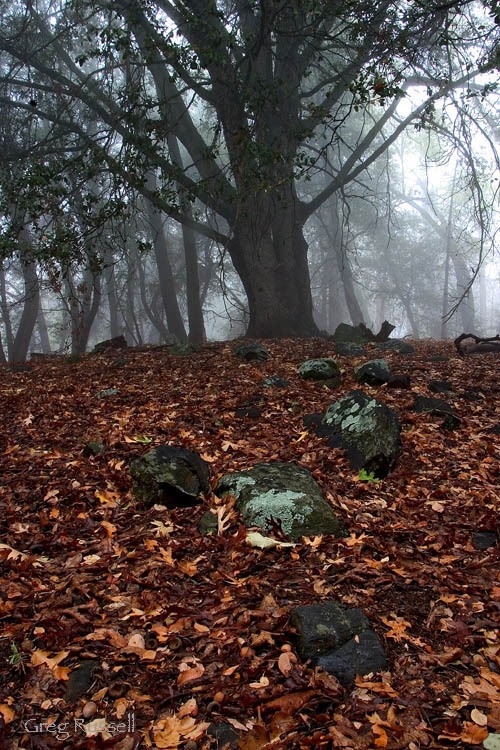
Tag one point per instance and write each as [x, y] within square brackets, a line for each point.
[208, 523]
[325, 369]
[374, 372]
[251, 351]
[223, 733]
[396, 345]
[440, 386]
[89, 710]
[399, 381]
[275, 381]
[424, 405]
[80, 680]
[93, 448]
[108, 392]
[484, 540]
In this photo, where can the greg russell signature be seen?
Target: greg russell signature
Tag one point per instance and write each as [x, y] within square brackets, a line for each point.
[63, 730]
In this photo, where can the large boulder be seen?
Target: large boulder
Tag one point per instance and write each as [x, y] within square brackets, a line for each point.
[337, 639]
[345, 332]
[374, 372]
[325, 369]
[169, 475]
[250, 351]
[369, 432]
[285, 492]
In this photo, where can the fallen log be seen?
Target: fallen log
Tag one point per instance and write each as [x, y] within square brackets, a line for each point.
[481, 345]
[385, 331]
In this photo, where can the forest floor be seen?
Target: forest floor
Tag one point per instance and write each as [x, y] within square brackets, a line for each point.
[189, 631]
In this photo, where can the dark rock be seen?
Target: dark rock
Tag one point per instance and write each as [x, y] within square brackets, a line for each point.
[495, 430]
[119, 363]
[451, 422]
[251, 350]
[424, 405]
[338, 640]
[345, 332]
[93, 448]
[80, 680]
[374, 372]
[248, 410]
[20, 368]
[118, 342]
[396, 345]
[484, 539]
[399, 381]
[208, 523]
[440, 386]
[169, 475]
[438, 358]
[471, 395]
[349, 349]
[325, 626]
[276, 381]
[360, 655]
[325, 370]
[369, 432]
[285, 492]
[183, 349]
[314, 422]
[225, 734]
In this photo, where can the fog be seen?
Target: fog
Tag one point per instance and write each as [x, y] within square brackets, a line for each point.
[196, 172]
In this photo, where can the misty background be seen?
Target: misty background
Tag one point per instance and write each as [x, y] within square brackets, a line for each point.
[201, 170]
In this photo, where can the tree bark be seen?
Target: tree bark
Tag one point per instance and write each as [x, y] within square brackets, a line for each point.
[4, 306]
[27, 323]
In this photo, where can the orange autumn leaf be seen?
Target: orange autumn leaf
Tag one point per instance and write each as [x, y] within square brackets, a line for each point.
[7, 713]
[473, 734]
[190, 673]
[291, 702]
[286, 662]
[43, 657]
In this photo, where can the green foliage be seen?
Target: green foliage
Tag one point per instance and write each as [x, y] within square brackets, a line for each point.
[365, 476]
[16, 658]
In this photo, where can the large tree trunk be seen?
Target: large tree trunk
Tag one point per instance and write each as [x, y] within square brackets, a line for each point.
[43, 331]
[269, 253]
[4, 307]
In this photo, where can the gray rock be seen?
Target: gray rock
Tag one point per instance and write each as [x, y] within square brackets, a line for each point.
[208, 523]
[169, 475]
[360, 655]
[326, 370]
[251, 350]
[374, 372]
[396, 345]
[324, 627]
[369, 431]
[286, 492]
[349, 349]
[108, 392]
[345, 332]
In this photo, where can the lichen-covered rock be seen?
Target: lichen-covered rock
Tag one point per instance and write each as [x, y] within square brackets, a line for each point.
[286, 492]
[325, 369]
[349, 349]
[396, 345]
[374, 372]
[345, 332]
[251, 350]
[169, 475]
[338, 640]
[369, 431]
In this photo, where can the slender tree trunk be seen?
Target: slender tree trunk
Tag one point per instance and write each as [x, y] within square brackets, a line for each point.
[27, 323]
[462, 275]
[83, 310]
[194, 310]
[43, 331]
[165, 275]
[110, 285]
[156, 320]
[4, 307]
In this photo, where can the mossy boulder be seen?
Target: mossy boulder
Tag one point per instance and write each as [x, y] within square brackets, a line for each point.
[374, 372]
[285, 492]
[169, 475]
[369, 432]
[325, 369]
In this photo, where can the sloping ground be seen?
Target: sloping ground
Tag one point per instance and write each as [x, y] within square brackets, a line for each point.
[186, 631]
